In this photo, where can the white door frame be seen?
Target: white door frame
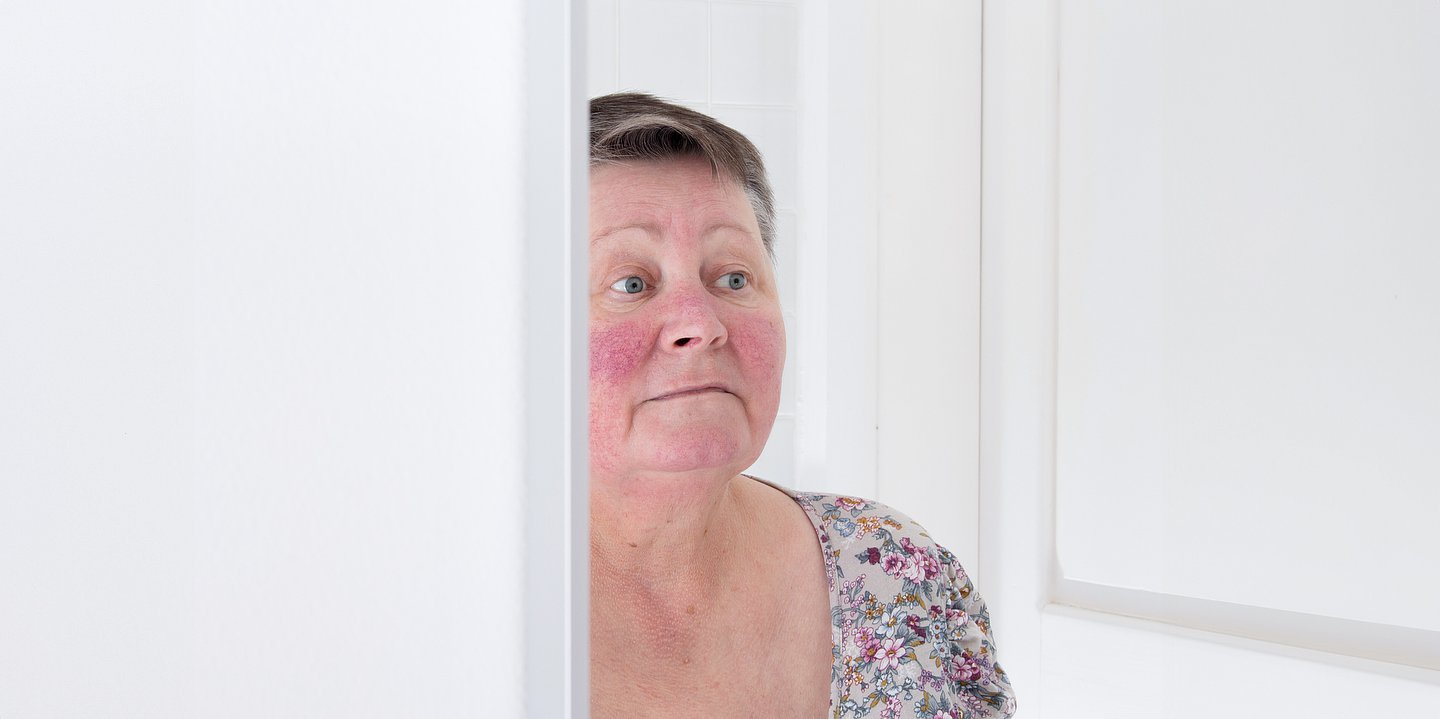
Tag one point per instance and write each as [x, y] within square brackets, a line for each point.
[555, 600]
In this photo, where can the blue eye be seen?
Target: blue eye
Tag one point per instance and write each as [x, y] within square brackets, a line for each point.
[733, 280]
[631, 285]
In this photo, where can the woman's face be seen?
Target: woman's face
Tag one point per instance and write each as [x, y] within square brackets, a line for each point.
[686, 337]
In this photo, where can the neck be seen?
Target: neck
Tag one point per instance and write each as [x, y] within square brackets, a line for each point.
[667, 562]
[673, 535]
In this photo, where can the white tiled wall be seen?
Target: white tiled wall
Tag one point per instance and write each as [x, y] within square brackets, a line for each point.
[752, 53]
[735, 60]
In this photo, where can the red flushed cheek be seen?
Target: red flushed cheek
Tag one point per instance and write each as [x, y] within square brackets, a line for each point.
[615, 351]
[760, 345]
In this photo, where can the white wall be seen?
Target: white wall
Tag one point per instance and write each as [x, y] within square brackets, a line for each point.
[928, 266]
[1248, 326]
[1207, 396]
[871, 135]
[262, 438]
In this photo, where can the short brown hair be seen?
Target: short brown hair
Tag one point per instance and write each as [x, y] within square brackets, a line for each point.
[629, 126]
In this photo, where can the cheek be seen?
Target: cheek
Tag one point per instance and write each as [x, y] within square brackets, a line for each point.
[615, 351]
[760, 344]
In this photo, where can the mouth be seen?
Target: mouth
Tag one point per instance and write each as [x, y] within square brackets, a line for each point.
[694, 391]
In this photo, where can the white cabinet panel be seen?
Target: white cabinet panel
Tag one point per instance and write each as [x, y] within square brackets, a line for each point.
[262, 439]
[1249, 324]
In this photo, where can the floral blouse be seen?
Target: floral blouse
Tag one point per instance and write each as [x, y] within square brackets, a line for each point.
[911, 635]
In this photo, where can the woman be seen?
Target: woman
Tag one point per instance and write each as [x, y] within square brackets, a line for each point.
[710, 595]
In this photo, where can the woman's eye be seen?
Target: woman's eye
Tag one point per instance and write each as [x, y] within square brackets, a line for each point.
[631, 285]
[733, 280]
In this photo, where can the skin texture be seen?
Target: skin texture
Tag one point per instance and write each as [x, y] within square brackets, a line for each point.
[708, 594]
[683, 232]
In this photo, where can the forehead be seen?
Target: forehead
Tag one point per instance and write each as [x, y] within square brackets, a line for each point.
[664, 197]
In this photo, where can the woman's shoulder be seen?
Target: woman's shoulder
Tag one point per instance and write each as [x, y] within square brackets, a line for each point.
[906, 615]
[849, 520]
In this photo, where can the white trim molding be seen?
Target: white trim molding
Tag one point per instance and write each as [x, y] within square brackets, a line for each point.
[1392, 650]
[1017, 322]
[556, 546]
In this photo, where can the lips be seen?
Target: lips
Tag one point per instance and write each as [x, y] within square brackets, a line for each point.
[690, 391]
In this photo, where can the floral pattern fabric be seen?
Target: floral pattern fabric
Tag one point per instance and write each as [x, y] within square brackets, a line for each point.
[911, 637]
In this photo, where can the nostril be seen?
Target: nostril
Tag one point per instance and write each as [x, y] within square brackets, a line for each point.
[682, 342]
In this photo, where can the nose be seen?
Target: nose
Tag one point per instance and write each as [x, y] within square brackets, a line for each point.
[692, 323]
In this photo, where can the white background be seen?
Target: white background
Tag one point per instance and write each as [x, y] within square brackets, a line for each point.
[1249, 324]
[264, 357]
[1169, 192]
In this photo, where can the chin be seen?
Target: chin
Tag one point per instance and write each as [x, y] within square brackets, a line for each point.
[698, 450]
